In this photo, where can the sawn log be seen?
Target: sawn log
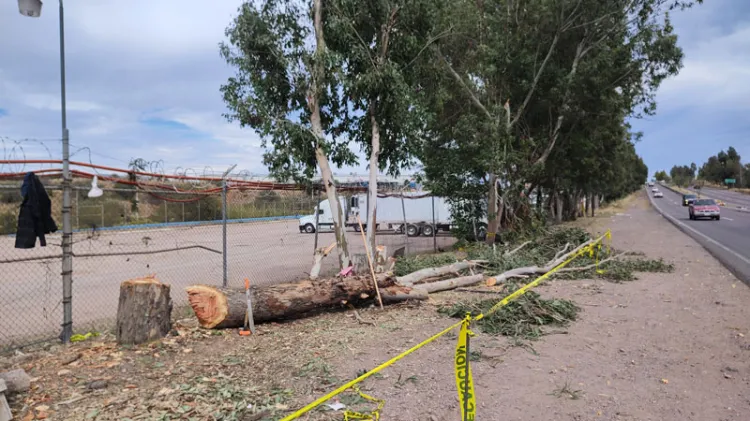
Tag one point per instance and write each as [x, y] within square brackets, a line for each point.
[219, 308]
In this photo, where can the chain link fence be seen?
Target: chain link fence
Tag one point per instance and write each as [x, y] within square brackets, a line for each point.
[179, 237]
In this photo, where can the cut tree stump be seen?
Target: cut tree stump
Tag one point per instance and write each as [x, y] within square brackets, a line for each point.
[144, 311]
[220, 308]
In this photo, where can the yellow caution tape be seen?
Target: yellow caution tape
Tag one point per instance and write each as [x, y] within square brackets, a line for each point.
[372, 415]
[464, 379]
[322, 399]
[523, 290]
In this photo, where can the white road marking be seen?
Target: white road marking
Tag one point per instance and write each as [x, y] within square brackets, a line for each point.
[709, 239]
[728, 219]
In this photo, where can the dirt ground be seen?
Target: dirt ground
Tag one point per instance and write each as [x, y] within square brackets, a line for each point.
[672, 346]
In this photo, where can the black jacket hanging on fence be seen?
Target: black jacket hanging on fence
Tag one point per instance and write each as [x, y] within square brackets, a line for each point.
[35, 217]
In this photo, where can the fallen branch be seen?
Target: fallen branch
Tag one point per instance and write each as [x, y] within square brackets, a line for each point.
[359, 318]
[559, 258]
[452, 283]
[515, 250]
[593, 265]
[438, 272]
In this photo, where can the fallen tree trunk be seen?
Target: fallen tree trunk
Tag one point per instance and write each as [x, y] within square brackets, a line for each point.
[452, 283]
[427, 273]
[218, 308]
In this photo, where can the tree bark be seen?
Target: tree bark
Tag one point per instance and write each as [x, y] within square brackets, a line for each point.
[558, 207]
[461, 281]
[372, 186]
[320, 254]
[428, 273]
[143, 312]
[225, 308]
[492, 219]
[313, 104]
[594, 204]
[587, 209]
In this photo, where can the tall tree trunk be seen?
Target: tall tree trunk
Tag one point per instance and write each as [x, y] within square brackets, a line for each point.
[558, 207]
[373, 183]
[492, 219]
[594, 204]
[317, 128]
[587, 198]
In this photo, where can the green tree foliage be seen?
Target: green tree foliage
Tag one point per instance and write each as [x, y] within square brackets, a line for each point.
[500, 101]
[535, 94]
[683, 175]
[724, 165]
[287, 87]
[662, 176]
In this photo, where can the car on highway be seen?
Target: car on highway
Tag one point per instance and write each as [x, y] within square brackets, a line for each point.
[704, 208]
[687, 199]
[655, 190]
[658, 194]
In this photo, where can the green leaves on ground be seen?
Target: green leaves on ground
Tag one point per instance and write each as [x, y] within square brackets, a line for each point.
[523, 318]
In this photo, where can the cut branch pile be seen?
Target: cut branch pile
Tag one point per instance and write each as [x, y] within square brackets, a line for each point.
[415, 278]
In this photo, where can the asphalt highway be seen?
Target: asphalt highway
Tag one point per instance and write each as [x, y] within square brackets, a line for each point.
[728, 239]
[732, 198]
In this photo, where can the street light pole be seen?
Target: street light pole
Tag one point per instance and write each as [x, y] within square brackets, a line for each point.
[67, 239]
[33, 8]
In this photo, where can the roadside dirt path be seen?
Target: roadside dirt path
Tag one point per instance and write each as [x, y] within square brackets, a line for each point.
[664, 347]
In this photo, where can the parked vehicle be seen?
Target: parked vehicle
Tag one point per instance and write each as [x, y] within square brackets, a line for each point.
[704, 208]
[687, 199]
[415, 211]
[658, 194]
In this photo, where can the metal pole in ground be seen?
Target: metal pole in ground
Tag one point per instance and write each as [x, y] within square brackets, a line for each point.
[224, 279]
[406, 231]
[166, 212]
[67, 238]
[434, 227]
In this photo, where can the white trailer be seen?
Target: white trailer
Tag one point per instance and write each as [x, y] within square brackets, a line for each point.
[415, 211]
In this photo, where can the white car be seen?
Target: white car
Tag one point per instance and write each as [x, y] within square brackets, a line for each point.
[654, 190]
[658, 194]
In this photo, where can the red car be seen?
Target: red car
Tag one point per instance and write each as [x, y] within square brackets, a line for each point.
[704, 208]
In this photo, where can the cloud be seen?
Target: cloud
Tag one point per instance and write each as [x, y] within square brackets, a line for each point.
[143, 80]
[703, 110]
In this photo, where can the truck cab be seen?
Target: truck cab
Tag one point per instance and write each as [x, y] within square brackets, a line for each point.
[307, 223]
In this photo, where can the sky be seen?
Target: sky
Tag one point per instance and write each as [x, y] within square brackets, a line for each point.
[143, 81]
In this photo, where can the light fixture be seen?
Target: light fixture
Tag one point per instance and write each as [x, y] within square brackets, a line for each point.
[30, 8]
[95, 190]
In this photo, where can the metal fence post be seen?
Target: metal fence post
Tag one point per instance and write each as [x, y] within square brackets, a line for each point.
[166, 213]
[434, 227]
[102, 206]
[78, 211]
[225, 277]
[406, 230]
[224, 232]
[199, 210]
[183, 211]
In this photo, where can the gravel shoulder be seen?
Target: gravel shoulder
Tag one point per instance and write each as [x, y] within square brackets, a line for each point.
[672, 346]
